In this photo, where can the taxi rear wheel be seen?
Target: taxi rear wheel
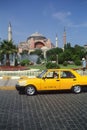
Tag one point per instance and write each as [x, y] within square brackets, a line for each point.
[30, 90]
[77, 89]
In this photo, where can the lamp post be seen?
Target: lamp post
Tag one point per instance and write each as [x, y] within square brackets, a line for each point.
[57, 59]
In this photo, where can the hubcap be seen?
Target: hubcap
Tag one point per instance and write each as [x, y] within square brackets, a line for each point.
[77, 89]
[30, 90]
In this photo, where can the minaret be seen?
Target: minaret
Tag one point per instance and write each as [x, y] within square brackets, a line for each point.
[9, 32]
[64, 38]
[56, 40]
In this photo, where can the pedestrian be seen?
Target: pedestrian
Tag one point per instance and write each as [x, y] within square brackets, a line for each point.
[83, 64]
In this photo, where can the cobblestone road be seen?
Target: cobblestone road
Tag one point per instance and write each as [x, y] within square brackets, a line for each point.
[45, 111]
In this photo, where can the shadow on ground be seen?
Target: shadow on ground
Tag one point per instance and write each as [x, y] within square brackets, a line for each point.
[21, 91]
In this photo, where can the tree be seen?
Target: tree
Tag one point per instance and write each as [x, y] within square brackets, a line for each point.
[37, 52]
[52, 53]
[79, 51]
[67, 46]
[7, 48]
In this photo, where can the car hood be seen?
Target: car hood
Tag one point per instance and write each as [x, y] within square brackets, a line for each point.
[28, 78]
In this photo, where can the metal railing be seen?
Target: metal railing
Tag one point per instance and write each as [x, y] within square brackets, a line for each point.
[32, 72]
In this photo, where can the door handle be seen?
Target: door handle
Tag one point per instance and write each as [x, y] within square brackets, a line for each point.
[74, 79]
[58, 80]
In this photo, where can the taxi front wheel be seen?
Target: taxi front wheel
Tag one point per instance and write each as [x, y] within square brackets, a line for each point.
[30, 90]
[77, 89]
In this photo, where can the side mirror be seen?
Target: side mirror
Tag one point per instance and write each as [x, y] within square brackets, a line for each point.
[43, 77]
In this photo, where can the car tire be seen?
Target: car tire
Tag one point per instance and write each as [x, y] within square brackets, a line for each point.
[30, 90]
[77, 89]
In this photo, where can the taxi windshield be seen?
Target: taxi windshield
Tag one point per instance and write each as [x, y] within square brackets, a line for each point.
[41, 74]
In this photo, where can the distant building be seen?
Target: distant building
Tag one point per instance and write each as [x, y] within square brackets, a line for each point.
[85, 46]
[35, 41]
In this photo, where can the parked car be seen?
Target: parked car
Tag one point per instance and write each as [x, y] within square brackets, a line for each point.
[65, 79]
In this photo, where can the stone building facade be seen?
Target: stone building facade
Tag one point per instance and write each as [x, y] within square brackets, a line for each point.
[35, 41]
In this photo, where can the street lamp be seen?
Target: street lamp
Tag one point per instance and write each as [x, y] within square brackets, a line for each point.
[57, 59]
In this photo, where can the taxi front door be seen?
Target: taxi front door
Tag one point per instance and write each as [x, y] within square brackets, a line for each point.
[50, 84]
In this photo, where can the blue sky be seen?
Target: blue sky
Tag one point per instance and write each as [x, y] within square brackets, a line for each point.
[48, 17]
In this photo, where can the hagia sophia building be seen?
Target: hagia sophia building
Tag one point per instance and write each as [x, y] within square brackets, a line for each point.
[36, 41]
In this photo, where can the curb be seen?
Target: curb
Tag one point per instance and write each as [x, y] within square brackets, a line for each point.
[9, 77]
[15, 77]
[8, 88]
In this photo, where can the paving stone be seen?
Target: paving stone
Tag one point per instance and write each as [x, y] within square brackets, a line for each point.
[45, 111]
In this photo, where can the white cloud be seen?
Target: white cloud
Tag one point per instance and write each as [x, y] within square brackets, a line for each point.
[62, 16]
[78, 25]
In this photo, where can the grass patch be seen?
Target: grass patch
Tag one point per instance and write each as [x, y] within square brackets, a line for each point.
[43, 67]
[70, 66]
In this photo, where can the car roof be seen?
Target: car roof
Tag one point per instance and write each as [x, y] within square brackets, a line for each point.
[60, 69]
[72, 70]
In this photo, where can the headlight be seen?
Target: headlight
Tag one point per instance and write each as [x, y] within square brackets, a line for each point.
[22, 83]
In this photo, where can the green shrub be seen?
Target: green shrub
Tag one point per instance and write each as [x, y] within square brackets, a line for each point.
[77, 62]
[24, 62]
[51, 65]
[38, 61]
[65, 63]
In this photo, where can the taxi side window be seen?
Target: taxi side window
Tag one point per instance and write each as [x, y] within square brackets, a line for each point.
[67, 74]
[52, 75]
[49, 75]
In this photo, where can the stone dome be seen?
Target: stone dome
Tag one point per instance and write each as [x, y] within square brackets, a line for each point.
[37, 36]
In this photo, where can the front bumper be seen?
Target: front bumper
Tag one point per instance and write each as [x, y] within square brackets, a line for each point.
[18, 87]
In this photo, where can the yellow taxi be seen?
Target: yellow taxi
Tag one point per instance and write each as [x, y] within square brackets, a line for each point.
[53, 79]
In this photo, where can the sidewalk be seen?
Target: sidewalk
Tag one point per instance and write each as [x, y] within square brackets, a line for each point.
[8, 84]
